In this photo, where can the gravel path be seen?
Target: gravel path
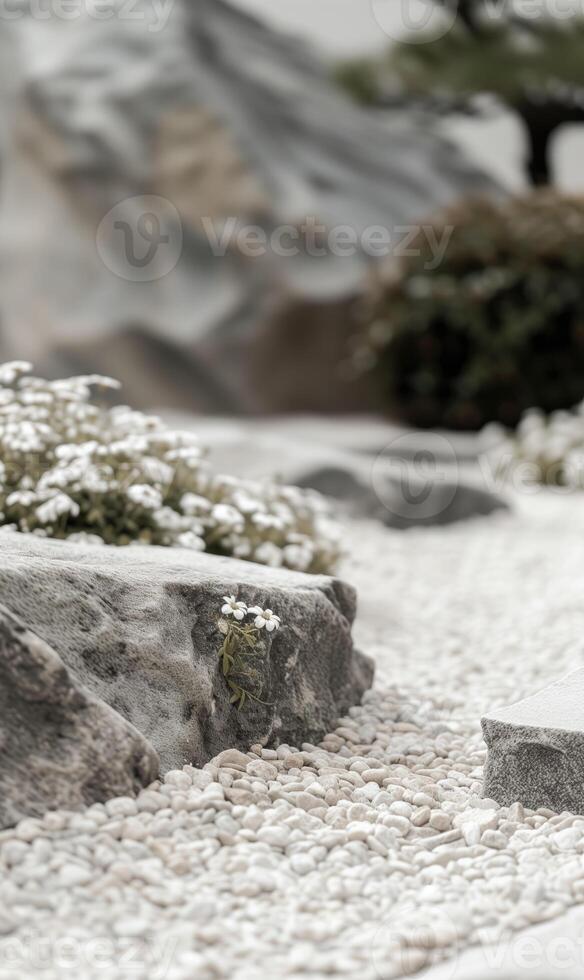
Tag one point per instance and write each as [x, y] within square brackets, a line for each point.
[366, 857]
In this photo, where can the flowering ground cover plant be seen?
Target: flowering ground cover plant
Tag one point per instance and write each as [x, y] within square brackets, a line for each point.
[243, 643]
[73, 468]
[552, 446]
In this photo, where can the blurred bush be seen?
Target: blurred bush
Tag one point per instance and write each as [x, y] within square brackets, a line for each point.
[496, 327]
[552, 446]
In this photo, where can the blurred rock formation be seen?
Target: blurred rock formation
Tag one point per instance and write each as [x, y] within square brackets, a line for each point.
[202, 109]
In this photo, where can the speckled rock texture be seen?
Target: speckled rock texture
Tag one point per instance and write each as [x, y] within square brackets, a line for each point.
[536, 749]
[59, 745]
[138, 627]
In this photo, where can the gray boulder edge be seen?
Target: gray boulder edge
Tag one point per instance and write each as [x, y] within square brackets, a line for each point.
[138, 628]
[60, 747]
[536, 749]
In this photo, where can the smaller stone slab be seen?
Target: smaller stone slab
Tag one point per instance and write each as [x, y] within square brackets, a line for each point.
[416, 480]
[536, 749]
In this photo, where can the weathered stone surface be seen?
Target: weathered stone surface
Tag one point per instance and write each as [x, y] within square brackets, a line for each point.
[59, 745]
[536, 748]
[138, 628]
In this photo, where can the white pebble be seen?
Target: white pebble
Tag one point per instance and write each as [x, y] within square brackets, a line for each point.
[14, 852]
[302, 864]
[73, 874]
[495, 839]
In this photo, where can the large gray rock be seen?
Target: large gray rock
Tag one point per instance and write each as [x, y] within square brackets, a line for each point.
[536, 748]
[138, 628]
[59, 745]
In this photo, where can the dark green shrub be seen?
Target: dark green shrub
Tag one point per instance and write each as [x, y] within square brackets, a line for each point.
[496, 326]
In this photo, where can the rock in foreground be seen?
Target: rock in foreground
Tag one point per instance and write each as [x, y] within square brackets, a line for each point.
[536, 749]
[138, 628]
[61, 747]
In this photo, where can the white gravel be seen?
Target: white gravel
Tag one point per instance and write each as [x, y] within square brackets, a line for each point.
[368, 856]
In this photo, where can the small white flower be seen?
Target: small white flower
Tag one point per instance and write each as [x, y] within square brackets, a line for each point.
[145, 496]
[227, 516]
[189, 456]
[242, 549]
[267, 522]
[265, 618]
[188, 539]
[36, 398]
[268, 553]
[99, 380]
[70, 451]
[94, 482]
[228, 482]
[12, 370]
[170, 520]
[55, 507]
[83, 537]
[233, 607]
[247, 504]
[155, 470]
[21, 498]
[298, 556]
[135, 445]
[193, 503]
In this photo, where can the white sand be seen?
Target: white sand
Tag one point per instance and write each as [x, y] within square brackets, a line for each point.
[364, 858]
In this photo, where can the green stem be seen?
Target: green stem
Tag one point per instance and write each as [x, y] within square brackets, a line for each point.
[234, 660]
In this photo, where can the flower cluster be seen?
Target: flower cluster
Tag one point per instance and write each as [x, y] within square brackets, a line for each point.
[72, 468]
[243, 648]
[264, 618]
[553, 446]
